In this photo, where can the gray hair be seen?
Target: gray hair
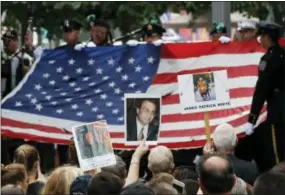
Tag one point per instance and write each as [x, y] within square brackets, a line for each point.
[224, 137]
[160, 159]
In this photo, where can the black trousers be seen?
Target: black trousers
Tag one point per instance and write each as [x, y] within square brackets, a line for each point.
[266, 145]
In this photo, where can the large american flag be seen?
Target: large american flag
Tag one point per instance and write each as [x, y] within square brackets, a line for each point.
[66, 88]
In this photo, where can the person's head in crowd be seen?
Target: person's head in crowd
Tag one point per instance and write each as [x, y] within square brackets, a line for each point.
[105, 183]
[60, 180]
[161, 177]
[269, 33]
[224, 138]
[10, 41]
[216, 174]
[11, 189]
[184, 172]
[152, 31]
[269, 183]
[71, 31]
[146, 111]
[15, 174]
[191, 186]
[99, 30]
[279, 168]
[247, 30]
[118, 169]
[160, 160]
[217, 31]
[28, 156]
[80, 185]
[163, 188]
[137, 188]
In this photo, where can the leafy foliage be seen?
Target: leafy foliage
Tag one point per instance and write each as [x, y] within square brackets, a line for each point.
[125, 15]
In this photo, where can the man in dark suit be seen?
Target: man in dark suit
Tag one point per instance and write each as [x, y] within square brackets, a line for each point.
[141, 124]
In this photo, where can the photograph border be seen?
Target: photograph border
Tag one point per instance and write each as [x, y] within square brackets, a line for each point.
[83, 162]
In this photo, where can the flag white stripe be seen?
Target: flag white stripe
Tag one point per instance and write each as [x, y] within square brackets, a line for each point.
[234, 83]
[216, 60]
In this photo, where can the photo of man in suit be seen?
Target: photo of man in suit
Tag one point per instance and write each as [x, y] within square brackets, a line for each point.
[143, 119]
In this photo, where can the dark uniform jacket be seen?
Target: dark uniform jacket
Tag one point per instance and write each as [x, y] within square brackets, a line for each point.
[6, 70]
[270, 87]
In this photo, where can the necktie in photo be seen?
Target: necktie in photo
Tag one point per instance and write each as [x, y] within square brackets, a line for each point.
[141, 135]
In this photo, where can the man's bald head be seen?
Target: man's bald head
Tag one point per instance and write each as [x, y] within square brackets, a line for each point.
[216, 174]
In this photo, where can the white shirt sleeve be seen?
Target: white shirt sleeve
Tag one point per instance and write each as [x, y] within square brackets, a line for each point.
[14, 66]
[38, 52]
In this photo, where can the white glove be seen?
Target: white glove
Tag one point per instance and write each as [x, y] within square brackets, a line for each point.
[197, 159]
[249, 128]
[90, 44]
[132, 43]
[79, 47]
[158, 42]
[117, 43]
[224, 39]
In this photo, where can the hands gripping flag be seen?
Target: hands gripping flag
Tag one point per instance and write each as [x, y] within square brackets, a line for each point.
[67, 88]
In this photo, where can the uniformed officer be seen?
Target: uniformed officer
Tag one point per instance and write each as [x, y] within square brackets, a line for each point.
[269, 139]
[15, 62]
[71, 33]
[152, 31]
[247, 30]
[219, 33]
[100, 32]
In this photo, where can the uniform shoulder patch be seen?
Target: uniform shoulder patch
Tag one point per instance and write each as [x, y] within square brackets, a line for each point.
[262, 65]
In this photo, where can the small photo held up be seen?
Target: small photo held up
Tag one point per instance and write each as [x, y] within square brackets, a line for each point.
[142, 118]
[93, 145]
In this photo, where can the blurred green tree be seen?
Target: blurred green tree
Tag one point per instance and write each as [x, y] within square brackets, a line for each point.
[125, 15]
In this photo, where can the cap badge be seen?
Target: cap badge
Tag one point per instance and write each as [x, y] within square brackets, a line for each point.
[149, 27]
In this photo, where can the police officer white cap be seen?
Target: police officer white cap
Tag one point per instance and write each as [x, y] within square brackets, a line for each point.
[246, 24]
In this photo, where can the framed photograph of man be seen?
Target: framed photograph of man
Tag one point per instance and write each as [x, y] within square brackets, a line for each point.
[142, 118]
[93, 145]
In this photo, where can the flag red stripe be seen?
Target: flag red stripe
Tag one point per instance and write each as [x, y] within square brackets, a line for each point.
[25, 125]
[200, 116]
[182, 50]
[233, 72]
[234, 93]
[8, 133]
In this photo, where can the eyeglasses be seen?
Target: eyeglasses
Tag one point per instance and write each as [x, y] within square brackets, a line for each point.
[147, 111]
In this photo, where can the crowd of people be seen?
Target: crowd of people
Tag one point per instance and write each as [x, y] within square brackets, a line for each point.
[217, 171]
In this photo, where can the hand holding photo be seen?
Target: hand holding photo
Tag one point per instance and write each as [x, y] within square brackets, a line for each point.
[93, 145]
[142, 114]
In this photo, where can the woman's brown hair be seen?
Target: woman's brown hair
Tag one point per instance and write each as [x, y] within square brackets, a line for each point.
[26, 155]
[14, 173]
